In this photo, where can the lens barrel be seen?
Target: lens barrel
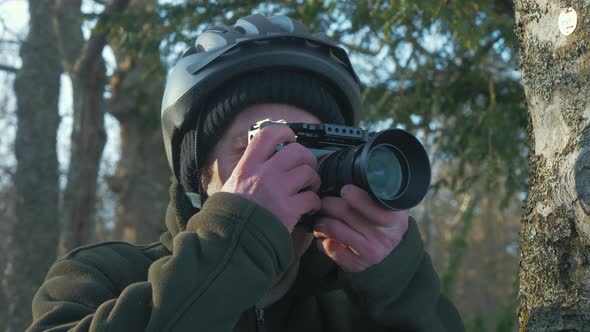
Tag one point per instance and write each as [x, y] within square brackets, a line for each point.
[392, 167]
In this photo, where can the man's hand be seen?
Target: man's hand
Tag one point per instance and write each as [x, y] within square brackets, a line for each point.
[285, 182]
[355, 231]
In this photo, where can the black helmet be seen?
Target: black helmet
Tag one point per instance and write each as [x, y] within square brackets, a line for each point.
[252, 44]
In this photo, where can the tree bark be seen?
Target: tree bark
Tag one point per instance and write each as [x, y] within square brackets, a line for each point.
[142, 176]
[84, 63]
[35, 234]
[555, 235]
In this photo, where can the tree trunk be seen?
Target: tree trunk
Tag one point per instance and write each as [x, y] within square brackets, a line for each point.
[142, 176]
[87, 142]
[458, 246]
[555, 235]
[141, 184]
[35, 234]
[85, 65]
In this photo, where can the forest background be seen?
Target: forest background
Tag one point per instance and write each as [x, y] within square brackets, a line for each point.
[91, 163]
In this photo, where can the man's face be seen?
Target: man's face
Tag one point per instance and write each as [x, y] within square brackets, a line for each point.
[229, 149]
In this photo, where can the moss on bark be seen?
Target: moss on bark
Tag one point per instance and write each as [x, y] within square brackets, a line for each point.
[555, 259]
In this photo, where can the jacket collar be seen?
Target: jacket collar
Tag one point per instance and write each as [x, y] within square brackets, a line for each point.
[317, 272]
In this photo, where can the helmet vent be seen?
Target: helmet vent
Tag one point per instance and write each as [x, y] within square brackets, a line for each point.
[189, 51]
[253, 44]
[217, 28]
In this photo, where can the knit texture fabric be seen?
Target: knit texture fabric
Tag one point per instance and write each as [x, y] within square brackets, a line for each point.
[209, 278]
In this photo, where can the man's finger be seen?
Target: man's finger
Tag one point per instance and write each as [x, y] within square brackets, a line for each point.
[307, 202]
[341, 232]
[291, 156]
[263, 144]
[338, 208]
[360, 201]
[302, 178]
[341, 255]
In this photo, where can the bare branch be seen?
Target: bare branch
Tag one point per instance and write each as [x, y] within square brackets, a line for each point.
[7, 28]
[8, 171]
[79, 55]
[93, 48]
[14, 42]
[9, 69]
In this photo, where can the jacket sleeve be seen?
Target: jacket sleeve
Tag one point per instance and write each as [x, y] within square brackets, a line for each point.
[229, 255]
[403, 291]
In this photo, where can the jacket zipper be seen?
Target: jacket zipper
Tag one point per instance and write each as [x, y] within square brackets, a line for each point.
[259, 319]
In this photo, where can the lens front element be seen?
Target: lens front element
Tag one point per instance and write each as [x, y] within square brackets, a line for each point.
[384, 172]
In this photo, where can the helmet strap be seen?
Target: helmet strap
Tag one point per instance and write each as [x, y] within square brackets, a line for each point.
[196, 199]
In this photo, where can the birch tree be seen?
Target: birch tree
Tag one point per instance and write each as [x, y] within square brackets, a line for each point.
[555, 236]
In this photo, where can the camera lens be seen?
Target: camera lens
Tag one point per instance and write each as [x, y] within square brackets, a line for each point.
[384, 172]
[392, 167]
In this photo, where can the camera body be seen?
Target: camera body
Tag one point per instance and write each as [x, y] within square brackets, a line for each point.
[321, 138]
[391, 165]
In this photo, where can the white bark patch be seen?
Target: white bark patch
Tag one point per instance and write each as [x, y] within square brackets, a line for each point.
[551, 136]
[550, 130]
[544, 209]
[546, 28]
[565, 193]
[570, 192]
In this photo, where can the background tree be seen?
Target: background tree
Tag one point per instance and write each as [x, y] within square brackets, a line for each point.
[140, 182]
[443, 70]
[555, 236]
[35, 232]
[82, 60]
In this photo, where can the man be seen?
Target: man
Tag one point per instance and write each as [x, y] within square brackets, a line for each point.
[235, 256]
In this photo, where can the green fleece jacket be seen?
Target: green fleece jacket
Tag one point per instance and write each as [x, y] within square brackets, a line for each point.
[209, 277]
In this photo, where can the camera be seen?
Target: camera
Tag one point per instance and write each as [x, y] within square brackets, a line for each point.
[391, 165]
